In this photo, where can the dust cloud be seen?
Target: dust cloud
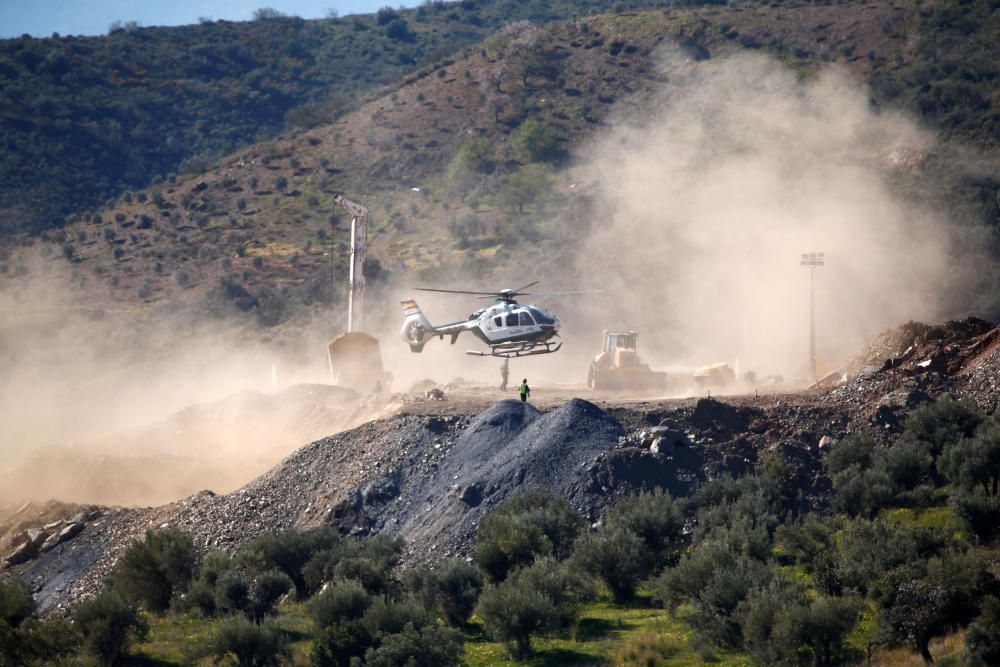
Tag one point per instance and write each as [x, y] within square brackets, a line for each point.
[716, 185]
[141, 408]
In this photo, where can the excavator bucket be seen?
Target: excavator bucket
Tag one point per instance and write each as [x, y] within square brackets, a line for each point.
[356, 363]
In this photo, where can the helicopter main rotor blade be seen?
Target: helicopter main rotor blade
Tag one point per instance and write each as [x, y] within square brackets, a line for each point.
[576, 291]
[455, 291]
[518, 290]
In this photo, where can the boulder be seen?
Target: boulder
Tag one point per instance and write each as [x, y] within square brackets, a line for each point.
[70, 531]
[49, 544]
[37, 536]
[472, 495]
[22, 554]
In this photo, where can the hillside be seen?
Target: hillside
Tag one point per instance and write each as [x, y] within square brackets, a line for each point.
[86, 118]
[443, 158]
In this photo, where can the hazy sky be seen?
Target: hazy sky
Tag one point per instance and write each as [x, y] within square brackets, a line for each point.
[92, 17]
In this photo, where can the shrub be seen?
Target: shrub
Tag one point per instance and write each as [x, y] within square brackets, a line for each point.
[535, 141]
[714, 604]
[617, 556]
[695, 570]
[475, 158]
[524, 528]
[515, 609]
[429, 645]
[182, 278]
[655, 518]
[386, 15]
[232, 593]
[867, 550]
[343, 601]
[452, 587]
[200, 595]
[821, 626]
[267, 589]
[760, 616]
[944, 422]
[982, 640]
[741, 510]
[23, 638]
[399, 30]
[253, 645]
[288, 551]
[980, 514]
[853, 452]
[388, 617]
[530, 184]
[338, 645]
[804, 540]
[150, 572]
[369, 562]
[108, 626]
[973, 464]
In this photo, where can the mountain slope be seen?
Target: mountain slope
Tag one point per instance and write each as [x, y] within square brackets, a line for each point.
[84, 118]
[265, 215]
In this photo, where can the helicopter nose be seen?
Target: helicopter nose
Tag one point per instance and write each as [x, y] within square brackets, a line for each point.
[556, 323]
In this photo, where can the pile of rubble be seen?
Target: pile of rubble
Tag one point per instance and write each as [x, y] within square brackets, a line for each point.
[916, 362]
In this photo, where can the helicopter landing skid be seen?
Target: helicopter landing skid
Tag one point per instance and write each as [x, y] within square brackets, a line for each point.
[523, 351]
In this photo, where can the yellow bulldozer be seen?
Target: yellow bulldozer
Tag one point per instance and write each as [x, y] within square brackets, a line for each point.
[618, 367]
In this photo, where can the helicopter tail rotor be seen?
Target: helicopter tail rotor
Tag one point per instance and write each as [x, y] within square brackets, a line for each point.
[417, 329]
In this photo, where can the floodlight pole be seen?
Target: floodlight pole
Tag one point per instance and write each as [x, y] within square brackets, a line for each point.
[812, 260]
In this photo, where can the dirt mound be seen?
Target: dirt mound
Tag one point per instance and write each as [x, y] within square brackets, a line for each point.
[916, 362]
[916, 346]
[508, 449]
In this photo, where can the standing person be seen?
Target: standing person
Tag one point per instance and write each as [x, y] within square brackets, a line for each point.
[504, 373]
[524, 390]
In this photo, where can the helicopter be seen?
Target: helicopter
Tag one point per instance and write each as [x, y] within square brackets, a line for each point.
[511, 329]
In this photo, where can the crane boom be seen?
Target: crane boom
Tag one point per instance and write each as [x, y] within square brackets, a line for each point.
[359, 248]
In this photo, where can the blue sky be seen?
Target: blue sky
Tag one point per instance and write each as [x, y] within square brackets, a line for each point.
[92, 17]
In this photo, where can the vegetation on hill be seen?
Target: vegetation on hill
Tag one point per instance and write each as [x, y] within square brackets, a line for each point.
[85, 118]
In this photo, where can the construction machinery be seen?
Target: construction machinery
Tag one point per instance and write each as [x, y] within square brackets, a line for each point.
[618, 366]
[714, 376]
[354, 357]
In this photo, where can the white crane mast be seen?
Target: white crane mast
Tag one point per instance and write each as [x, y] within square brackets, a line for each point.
[359, 248]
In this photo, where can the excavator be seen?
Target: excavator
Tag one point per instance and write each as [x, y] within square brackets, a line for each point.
[354, 357]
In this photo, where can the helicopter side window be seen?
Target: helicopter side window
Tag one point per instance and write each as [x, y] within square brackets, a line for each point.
[524, 320]
[498, 320]
[512, 319]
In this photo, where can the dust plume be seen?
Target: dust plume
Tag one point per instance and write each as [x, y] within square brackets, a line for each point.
[145, 407]
[717, 184]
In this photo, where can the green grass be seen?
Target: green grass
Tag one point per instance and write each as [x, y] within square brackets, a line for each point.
[176, 639]
[605, 634]
[608, 634]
